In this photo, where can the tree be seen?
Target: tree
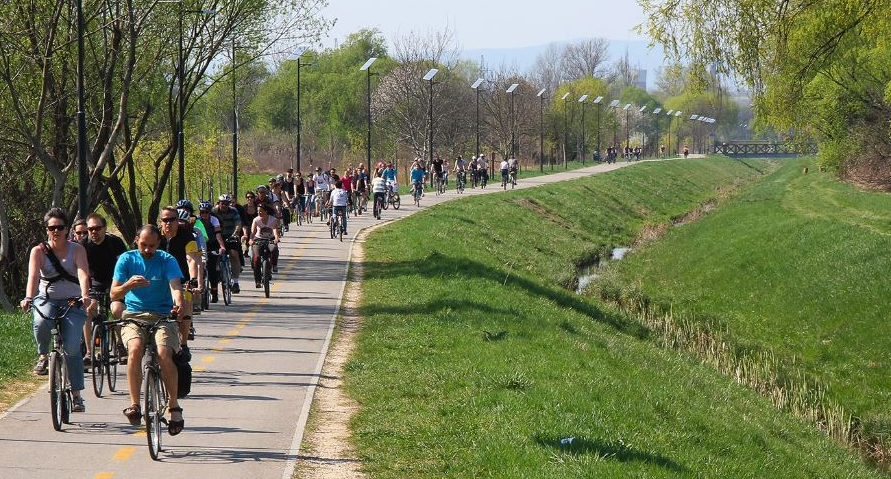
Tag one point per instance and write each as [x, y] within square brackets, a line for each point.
[585, 58]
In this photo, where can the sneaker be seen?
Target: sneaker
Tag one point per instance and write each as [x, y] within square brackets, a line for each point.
[235, 288]
[122, 354]
[88, 361]
[40, 368]
[186, 353]
[214, 296]
[191, 333]
[257, 283]
[78, 405]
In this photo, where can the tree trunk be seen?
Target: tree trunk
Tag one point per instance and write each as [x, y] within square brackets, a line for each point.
[4, 252]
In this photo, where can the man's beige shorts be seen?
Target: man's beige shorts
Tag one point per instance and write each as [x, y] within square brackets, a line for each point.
[166, 335]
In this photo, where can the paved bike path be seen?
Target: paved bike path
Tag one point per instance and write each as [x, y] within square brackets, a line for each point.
[256, 365]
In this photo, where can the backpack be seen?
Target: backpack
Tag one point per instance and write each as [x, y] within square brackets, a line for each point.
[184, 375]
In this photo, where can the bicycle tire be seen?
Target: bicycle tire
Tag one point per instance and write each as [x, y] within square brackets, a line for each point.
[152, 412]
[397, 201]
[99, 353]
[225, 281]
[56, 385]
[111, 369]
[386, 202]
[267, 275]
[340, 231]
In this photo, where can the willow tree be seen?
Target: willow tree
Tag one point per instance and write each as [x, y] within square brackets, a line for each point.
[818, 69]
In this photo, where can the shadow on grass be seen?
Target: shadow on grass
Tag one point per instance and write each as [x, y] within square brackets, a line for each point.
[437, 265]
[607, 450]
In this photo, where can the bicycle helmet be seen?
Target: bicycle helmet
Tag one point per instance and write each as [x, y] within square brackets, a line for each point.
[185, 204]
[225, 197]
[205, 206]
[262, 187]
[280, 178]
[184, 214]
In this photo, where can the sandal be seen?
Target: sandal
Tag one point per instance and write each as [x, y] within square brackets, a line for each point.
[134, 414]
[175, 427]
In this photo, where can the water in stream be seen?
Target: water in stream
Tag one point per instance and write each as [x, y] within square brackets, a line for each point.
[590, 275]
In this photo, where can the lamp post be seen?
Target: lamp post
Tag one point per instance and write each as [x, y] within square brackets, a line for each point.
[476, 86]
[582, 100]
[695, 132]
[656, 113]
[670, 115]
[677, 130]
[643, 134]
[366, 67]
[541, 97]
[597, 101]
[82, 184]
[429, 78]
[615, 104]
[627, 109]
[234, 128]
[565, 127]
[510, 91]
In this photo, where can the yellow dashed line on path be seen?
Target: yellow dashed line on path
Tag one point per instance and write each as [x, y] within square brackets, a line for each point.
[239, 326]
[124, 453]
[232, 332]
[140, 433]
[208, 359]
[195, 369]
[104, 475]
[226, 340]
[218, 349]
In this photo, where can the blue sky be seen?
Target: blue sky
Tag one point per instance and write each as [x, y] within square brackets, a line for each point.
[482, 24]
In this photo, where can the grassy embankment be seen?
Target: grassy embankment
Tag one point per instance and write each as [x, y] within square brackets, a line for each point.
[796, 267]
[474, 360]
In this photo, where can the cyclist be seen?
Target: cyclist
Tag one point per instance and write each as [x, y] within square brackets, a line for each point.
[513, 167]
[662, 151]
[215, 246]
[299, 199]
[57, 271]
[277, 196]
[178, 240]
[322, 180]
[389, 175]
[338, 202]
[437, 168]
[379, 188]
[265, 226]
[686, 151]
[288, 183]
[347, 184]
[103, 250]
[417, 178]
[505, 165]
[483, 170]
[230, 225]
[79, 231]
[310, 195]
[361, 186]
[149, 282]
[461, 170]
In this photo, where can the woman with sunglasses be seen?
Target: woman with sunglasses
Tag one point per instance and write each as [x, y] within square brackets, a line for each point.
[58, 271]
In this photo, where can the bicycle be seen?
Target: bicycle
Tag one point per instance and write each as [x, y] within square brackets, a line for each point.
[104, 353]
[61, 397]
[417, 192]
[504, 179]
[153, 390]
[513, 179]
[440, 187]
[320, 207]
[378, 206]
[265, 264]
[308, 203]
[362, 201]
[296, 213]
[462, 180]
[337, 226]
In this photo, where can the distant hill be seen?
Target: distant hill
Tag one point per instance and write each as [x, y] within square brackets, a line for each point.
[523, 58]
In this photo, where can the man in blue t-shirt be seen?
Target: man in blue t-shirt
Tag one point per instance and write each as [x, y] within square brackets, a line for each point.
[148, 280]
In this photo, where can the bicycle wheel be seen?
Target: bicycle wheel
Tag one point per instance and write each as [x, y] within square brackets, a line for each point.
[267, 275]
[396, 202]
[340, 231]
[225, 282]
[152, 411]
[111, 367]
[386, 203]
[56, 389]
[99, 353]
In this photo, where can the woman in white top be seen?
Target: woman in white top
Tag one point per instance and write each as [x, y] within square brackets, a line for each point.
[264, 229]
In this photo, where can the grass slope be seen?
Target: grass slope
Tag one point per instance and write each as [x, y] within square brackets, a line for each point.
[798, 265]
[474, 361]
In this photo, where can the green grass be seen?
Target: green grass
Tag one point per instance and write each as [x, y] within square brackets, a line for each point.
[17, 349]
[474, 361]
[797, 265]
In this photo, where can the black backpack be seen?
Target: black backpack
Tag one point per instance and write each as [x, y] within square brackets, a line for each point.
[184, 374]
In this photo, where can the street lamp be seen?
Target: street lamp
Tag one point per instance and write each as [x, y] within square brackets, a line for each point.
[670, 115]
[181, 98]
[582, 100]
[565, 128]
[656, 113]
[476, 86]
[510, 90]
[627, 109]
[677, 129]
[615, 104]
[643, 134]
[429, 78]
[597, 102]
[366, 67]
[541, 97]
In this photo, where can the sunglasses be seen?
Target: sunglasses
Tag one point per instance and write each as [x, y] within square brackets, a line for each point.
[80, 233]
[56, 228]
[95, 228]
[168, 219]
[204, 212]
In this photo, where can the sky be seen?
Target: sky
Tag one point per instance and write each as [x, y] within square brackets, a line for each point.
[483, 24]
